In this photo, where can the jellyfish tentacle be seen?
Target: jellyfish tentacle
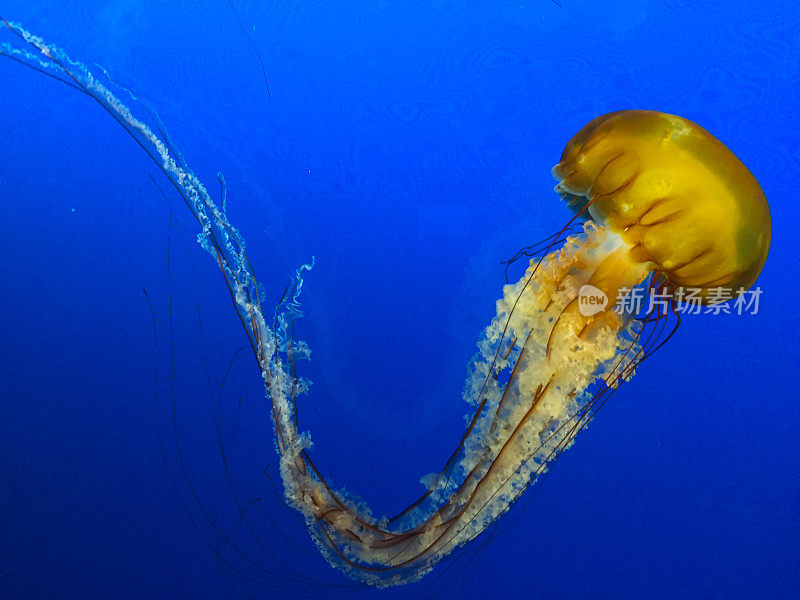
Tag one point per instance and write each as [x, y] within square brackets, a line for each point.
[493, 440]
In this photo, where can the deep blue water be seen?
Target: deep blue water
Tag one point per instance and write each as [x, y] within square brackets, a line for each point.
[407, 146]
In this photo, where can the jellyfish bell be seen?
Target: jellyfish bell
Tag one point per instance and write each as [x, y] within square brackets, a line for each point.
[680, 199]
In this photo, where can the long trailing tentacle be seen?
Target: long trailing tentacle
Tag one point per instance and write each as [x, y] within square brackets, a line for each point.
[533, 386]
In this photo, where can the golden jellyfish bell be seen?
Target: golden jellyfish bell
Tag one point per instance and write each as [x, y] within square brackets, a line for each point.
[678, 196]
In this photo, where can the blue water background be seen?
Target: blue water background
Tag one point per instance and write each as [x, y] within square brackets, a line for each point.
[407, 146]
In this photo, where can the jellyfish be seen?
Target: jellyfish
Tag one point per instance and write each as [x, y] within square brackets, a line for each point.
[660, 206]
